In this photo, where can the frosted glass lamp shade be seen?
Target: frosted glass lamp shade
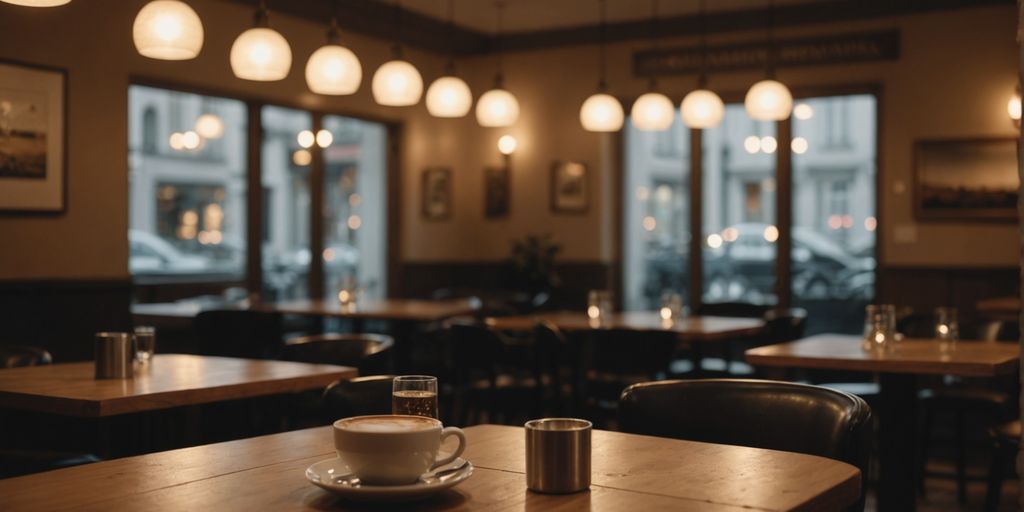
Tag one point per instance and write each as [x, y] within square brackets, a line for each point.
[653, 112]
[601, 113]
[37, 3]
[449, 96]
[768, 100]
[497, 108]
[261, 54]
[397, 84]
[168, 30]
[333, 70]
[702, 109]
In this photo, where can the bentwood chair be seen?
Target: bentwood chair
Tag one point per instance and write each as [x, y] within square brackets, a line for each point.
[757, 413]
[369, 352]
[360, 396]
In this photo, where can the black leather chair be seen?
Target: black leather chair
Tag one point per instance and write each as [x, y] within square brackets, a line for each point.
[756, 413]
[368, 352]
[239, 333]
[360, 396]
[13, 356]
[1005, 445]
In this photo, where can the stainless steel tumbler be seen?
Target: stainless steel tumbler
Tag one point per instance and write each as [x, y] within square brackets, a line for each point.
[114, 355]
[558, 455]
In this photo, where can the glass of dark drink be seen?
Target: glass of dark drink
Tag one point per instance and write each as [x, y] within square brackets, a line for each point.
[414, 395]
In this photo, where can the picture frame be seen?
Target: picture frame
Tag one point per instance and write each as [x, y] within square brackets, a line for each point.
[437, 193]
[969, 179]
[33, 138]
[497, 194]
[570, 187]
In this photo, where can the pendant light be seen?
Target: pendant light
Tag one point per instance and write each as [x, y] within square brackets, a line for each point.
[333, 69]
[168, 30]
[449, 96]
[261, 53]
[702, 108]
[653, 111]
[37, 3]
[601, 112]
[769, 99]
[497, 107]
[397, 83]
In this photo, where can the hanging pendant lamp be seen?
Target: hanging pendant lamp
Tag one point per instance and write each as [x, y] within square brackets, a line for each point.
[449, 95]
[168, 30]
[702, 108]
[497, 107]
[769, 99]
[37, 3]
[397, 83]
[261, 53]
[601, 112]
[653, 111]
[333, 69]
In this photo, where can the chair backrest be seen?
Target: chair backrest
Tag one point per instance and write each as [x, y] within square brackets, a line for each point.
[782, 325]
[756, 413]
[474, 348]
[238, 333]
[624, 351]
[736, 309]
[368, 352]
[13, 356]
[360, 396]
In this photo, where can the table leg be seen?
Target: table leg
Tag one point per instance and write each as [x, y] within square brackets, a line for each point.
[897, 416]
[696, 356]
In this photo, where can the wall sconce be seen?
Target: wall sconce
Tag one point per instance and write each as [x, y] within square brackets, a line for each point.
[507, 145]
[1013, 108]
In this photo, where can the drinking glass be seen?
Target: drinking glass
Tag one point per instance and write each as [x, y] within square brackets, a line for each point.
[348, 293]
[671, 306]
[879, 327]
[947, 329]
[414, 395]
[599, 307]
[145, 343]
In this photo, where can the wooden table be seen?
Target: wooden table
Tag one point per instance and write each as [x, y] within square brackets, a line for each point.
[629, 473]
[399, 310]
[690, 328]
[1000, 308]
[897, 376]
[170, 380]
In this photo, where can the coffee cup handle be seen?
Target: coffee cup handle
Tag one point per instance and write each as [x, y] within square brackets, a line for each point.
[447, 432]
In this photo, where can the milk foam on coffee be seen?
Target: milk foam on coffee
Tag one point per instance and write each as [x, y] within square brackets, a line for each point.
[385, 424]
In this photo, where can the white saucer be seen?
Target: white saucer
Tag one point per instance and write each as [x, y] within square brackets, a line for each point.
[335, 476]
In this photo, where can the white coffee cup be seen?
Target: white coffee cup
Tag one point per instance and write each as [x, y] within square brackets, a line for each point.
[393, 450]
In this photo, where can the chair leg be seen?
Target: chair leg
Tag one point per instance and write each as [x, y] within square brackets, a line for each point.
[961, 459]
[995, 478]
[926, 432]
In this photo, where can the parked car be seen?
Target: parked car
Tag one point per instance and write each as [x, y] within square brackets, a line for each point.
[150, 254]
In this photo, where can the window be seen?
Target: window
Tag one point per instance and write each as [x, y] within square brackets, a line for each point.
[656, 201]
[187, 193]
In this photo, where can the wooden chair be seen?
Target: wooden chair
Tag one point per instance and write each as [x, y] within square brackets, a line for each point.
[360, 396]
[371, 353]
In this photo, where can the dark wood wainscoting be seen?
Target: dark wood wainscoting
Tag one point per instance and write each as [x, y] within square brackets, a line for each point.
[420, 280]
[62, 316]
[925, 288]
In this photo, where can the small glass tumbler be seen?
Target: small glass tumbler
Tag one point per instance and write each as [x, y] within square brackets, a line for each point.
[599, 307]
[879, 327]
[671, 307]
[558, 455]
[947, 329]
[414, 395]
[145, 343]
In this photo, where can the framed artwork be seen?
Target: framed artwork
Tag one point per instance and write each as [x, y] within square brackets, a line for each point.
[496, 192]
[966, 179]
[570, 190]
[33, 163]
[437, 193]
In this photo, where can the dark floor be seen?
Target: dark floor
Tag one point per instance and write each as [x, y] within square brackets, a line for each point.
[941, 494]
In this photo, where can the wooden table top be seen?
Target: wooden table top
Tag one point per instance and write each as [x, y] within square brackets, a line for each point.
[170, 380]
[376, 309]
[912, 356]
[628, 472]
[690, 328]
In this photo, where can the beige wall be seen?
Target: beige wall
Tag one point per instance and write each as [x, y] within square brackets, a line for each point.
[953, 80]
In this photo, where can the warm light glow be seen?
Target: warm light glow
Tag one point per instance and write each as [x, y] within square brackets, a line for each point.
[650, 223]
[302, 157]
[847, 221]
[642, 193]
[870, 223]
[835, 221]
[652, 112]
[354, 222]
[714, 240]
[507, 144]
[306, 139]
[497, 108]
[942, 329]
[37, 3]
[209, 126]
[449, 96]
[593, 312]
[168, 30]
[768, 100]
[663, 193]
[730, 234]
[799, 145]
[261, 54]
[769, 144]
[329, 254]
[752, 144]
[344, 296]
[354, 200]
[666, 313]
[176, 141]
[601, 113]
[771, 233]
[190, 140]
[333, 69]
[324, 138]
[803, 112]
[702, 109]
[1013, 107]
[397, 84]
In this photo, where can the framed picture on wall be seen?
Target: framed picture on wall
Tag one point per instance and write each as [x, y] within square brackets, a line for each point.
[33, 165]
[437, 193]
[966, 179]
[496, 192]
[570, 190]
